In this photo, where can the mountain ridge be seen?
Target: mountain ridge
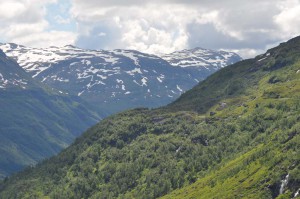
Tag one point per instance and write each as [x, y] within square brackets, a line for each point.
[111, 78]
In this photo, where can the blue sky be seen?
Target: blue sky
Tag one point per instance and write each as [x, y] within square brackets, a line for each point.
[156, 26]
[58, 16]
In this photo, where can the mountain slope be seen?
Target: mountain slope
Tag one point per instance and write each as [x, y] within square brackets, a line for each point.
[241, 78]
[271, 168]
[116, 79]
[243, 144]
[35, 122]
[202, 59]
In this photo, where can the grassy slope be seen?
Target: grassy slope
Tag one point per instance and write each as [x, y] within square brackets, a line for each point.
[242, 151]
[258, 172]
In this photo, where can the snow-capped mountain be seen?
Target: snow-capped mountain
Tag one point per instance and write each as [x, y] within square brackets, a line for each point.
[118, 79]
[12, 76]
[202, 58]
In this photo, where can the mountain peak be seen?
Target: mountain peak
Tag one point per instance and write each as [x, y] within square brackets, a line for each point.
[70, 46]
[202, 58]
[294, 40]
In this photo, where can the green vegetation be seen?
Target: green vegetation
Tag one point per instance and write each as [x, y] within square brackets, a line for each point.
[235, 135]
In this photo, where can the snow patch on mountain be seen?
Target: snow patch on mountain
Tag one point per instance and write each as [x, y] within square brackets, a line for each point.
[179, 88]
[12, 81]
[109, 76]
[136, 70]
[160, 78]
[201, 58]
[128, 54]
[144, 81]
[38, 60]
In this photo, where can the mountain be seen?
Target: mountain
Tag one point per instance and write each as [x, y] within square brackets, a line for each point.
[35, 121]
[118, 79]
[47, 101]
[234, 135]
[12, 75]
[201, 58]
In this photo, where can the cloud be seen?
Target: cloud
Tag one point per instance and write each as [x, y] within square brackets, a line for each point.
[156, 26]
[164, 31]
[24, 22]
[89, 37]
[9, 10]
[60, 20]
[288, 20]
[102, 34]
[167, 25]
[50, 38]
[21, 11]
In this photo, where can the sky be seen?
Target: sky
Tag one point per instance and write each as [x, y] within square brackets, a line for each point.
[157, 26]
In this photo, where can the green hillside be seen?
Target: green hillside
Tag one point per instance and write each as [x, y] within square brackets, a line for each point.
[235, 135]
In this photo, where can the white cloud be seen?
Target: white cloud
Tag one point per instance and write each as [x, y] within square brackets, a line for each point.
[24, 22]
[156, 26]
[288, 19]
[9, 10]
[22, 11]
[154, 35]
[102, 34]
[60, 20]
[152, 29]
[167, 25]
[50, 38]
